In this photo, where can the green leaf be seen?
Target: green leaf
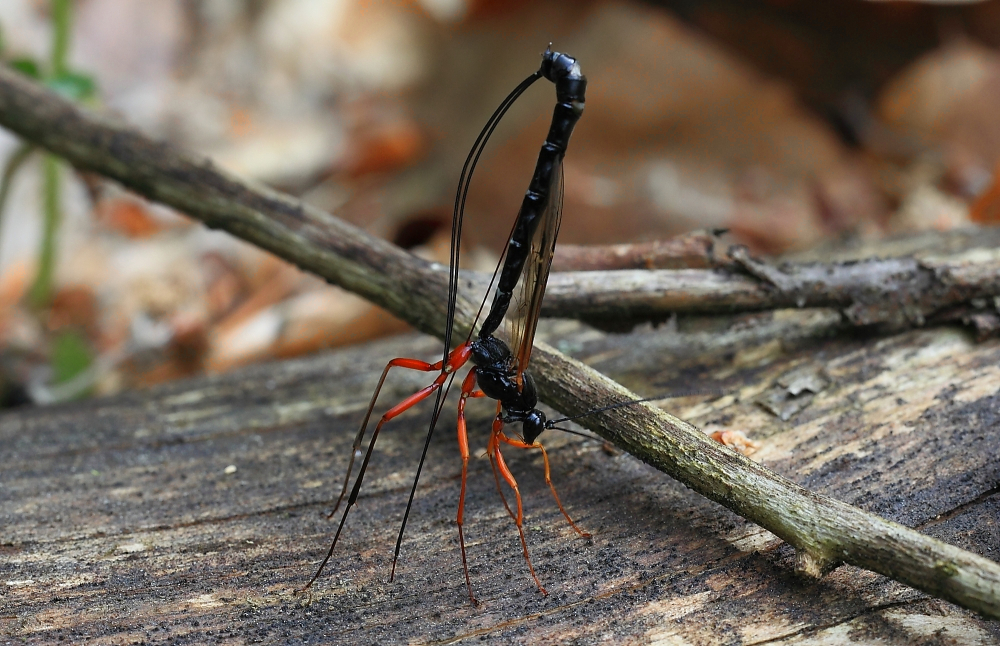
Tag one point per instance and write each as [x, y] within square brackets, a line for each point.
[26, 66]
[71, 355]
[73, 86]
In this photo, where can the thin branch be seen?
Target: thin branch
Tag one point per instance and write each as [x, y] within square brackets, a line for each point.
[823, 531]
[305, 236]
[695, 250]
[897, 292]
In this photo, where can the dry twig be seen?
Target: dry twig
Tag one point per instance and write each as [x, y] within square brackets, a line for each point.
[695, 250]
[895, 292]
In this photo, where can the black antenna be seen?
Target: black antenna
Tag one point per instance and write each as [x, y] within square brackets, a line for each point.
[674, 395]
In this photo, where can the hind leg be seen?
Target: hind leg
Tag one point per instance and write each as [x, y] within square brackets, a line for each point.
[500, 470]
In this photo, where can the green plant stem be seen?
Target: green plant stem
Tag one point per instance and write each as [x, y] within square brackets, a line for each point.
[41, 290]
[61, 19]
[14, 163]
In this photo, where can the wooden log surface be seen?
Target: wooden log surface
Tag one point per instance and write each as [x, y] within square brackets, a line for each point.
[119, 522]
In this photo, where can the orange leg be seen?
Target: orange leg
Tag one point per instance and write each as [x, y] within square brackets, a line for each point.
[468, 390]
[500, 470]
[411, 364]
[456, 359]
[491, 449]
[548, 479]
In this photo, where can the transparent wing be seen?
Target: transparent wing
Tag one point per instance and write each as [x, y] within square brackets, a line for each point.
[528, 306]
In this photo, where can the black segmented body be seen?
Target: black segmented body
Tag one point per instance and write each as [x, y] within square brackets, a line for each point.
[494, 360]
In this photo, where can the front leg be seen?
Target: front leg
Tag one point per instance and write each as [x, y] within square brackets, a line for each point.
[500, 470]
[548, 479]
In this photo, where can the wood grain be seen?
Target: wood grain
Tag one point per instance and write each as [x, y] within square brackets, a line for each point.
[121, 525]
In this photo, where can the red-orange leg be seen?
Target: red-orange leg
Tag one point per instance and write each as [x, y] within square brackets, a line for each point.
[411, 364]
[548, 479]
[499, 465]
[468, 390]
[491, 448]
[456, 359]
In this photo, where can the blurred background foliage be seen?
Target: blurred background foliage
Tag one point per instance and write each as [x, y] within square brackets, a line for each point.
[789, 122]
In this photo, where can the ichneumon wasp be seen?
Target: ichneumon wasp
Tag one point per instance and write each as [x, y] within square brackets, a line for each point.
[499, 370]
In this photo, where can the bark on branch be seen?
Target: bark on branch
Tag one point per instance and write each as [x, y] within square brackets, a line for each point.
[895, 292]
[823, 531]
[694, 250]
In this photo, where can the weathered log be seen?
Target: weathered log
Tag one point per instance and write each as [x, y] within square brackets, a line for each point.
[120, 522]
